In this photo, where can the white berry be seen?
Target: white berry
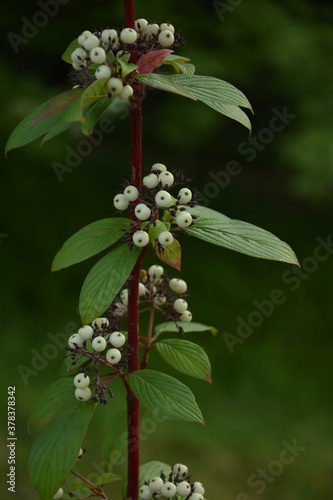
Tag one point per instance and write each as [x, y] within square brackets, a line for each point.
[169, 490]
[141, 25]
[196, 496]
[109, 36]
[185, 195]
[186, 316]
[124, 296]
[86, 34]
[102, 72]
[155, 272]
[131, 193]
[83, 394]
[117, 339]
[126, 93]
[75, 339]
[177, 285]
[145, 492]
[140, 238]
[183, 219]
[79, 67]
[198, 488]
[183, 489]
[166, 38]
[159, 166]
[142, 289]
[59, 494]
[78, 55]
[163, 199]
[166, 178]
[160, 301]
[128, 36]
[142, 211]
[80, 453]
[86, 332]
[150, 181]
[98, 55]
[91, 42]
[100, 323]
[120, 202]
[167, 27]
[99, 344]
[156, 484]
[81, 381]
[180, 305]
[113, 356]
[180, 470]
[114, 86]
[152, 29]
[165, 238]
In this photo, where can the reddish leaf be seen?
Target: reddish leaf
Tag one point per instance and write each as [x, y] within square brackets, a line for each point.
[171, 255]
[148, 62]
[59, 103]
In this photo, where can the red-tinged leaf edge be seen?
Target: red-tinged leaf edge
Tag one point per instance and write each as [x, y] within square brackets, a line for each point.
[57, 104]
[172, 254]
[150, 61]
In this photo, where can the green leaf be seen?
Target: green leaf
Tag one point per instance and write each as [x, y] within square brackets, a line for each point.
[93, 114]
[171, 255]
[70, 49]
[57, 130]
[89, 241]
[155, 231]
[217, 94]
[106, 478]
[55, 451]
[92, 94]
[180, 64]
[166, 83]
[186, 357]
[239, 236]
[127, 68]
[170, 327]
[115, 440]
[152, 469]
[42, 120]
[105, 280]
[55, 396]
[165, 396]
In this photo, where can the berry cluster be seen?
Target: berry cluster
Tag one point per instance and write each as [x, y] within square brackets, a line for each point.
[95, 58]
[175, 485]
[90, 342]
[154, 196]
[167, 295]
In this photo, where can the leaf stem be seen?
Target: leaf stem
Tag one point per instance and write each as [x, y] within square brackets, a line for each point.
[97, 491]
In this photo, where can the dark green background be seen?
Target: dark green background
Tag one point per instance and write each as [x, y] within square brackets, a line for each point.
[276, 386]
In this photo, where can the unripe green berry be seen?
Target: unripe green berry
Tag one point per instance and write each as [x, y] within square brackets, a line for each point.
[120, 202]
[117, 339]
[98, 344]
[169, 490]
[86, 332]
[183, 219]
[75, 339]
[131, 193]
[83, 394]
[140, 238]
[59, 494]
[150, 181]
[166, 38]
[186, 317]
[142, 212]
[81, 381]
[165, 238]
[113, 356]
[163, 199]
[98, 55]
[156, 484]
[114, 86]
[128, 36]
[180, 305]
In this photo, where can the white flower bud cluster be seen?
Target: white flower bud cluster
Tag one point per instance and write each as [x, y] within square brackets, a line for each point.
[157, 196]
[99, 335]
[172, 485]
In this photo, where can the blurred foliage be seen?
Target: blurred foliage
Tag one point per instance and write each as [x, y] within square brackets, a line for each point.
[276, 386]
